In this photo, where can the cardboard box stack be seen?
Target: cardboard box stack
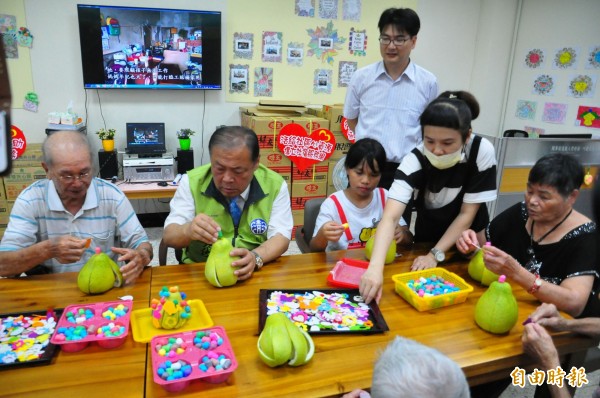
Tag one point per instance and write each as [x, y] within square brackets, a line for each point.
[25, 171]
[334, 114]
[267, 128]
[267, 119]
[4, 212]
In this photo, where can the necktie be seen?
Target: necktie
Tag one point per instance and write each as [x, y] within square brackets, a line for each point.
[236, 212]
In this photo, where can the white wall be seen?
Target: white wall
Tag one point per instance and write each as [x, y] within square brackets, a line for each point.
[550, 24]
[493, 47]
[446, 45]
[468, 44]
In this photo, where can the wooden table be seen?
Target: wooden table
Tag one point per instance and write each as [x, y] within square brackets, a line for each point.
[341, 362]
[148, 190]
[92, 372]
[344, 362]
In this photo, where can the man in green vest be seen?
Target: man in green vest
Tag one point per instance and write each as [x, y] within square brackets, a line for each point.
[236, 195]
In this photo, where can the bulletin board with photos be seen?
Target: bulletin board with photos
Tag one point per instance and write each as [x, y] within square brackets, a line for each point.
[303, 50]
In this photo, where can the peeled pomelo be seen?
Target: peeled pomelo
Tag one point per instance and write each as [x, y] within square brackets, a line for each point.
[281, 341]
[218, 270]
[99, 274]
[477, 269]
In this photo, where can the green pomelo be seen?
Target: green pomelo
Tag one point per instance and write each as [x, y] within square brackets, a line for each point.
[274, 344]
[497, 309]
[304, 348]
[265, 358]
[299, 344]
[210, 272]
[476, 266]
[265, 343]
[282, 345]
[488, 277]
[389, 256]
[99, 274]
[218, 269]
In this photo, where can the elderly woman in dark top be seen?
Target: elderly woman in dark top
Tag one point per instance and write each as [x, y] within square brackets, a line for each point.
[543, 244]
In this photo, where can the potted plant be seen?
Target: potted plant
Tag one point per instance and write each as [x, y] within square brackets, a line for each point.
[184, 138]
[108, 138]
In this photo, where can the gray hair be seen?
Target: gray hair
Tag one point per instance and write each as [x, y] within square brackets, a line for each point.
[234, 136]
[409, 369]
[66, 140]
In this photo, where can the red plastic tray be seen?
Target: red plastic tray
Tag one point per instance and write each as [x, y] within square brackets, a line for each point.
[192, 356]
[96, 321]
[347, 273]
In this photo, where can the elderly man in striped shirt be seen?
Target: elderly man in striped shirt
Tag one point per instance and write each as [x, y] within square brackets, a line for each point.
[56, 223]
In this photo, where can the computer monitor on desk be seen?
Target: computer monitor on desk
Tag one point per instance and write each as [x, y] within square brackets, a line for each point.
[146, 139]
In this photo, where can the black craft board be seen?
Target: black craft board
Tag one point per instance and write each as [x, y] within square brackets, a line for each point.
[49, 351]
[379, 324]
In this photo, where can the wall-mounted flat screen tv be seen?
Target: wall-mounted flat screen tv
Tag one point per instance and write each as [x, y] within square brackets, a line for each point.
[149, 48]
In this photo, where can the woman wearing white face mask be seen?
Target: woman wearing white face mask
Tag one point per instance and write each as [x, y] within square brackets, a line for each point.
[450, 176]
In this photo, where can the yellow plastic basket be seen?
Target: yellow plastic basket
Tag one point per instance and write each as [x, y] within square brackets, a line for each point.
[430, 303]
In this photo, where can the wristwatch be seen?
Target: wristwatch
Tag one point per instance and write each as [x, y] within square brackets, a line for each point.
[257, 260]
[438, 255]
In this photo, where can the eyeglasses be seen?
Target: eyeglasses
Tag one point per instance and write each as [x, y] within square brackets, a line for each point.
[384, 40]
[69, 178]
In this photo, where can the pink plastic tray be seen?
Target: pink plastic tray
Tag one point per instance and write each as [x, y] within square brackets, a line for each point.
[67, 323]
[347, 273]
[191, 355]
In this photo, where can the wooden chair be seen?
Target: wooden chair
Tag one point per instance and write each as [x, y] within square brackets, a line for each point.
[304, 233]
[162, 253]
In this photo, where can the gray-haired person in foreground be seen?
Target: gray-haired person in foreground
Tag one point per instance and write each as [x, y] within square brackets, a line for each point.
[407, 368]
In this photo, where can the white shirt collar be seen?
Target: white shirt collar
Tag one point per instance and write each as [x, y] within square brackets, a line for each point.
[410, 71]
[55, 204]
[244, 195]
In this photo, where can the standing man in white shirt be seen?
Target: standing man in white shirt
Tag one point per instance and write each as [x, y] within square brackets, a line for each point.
[385, 100]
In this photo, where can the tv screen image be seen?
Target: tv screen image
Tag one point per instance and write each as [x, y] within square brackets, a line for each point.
[149, 48]
[146, 138]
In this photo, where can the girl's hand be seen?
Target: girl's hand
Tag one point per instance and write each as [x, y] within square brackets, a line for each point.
[333, 231]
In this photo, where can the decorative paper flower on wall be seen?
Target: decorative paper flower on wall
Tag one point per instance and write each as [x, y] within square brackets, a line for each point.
[526, 109]
[565, 57]
[534, 58]
[594, 57]
[581, 85]
[543, 85]
[324, 42]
